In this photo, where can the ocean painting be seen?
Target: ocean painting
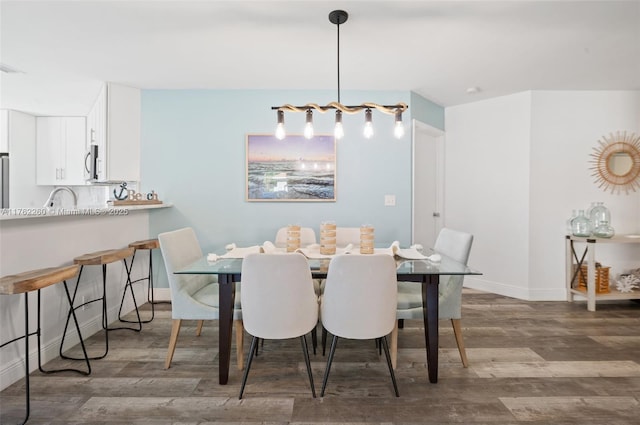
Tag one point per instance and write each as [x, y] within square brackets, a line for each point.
[293, 169]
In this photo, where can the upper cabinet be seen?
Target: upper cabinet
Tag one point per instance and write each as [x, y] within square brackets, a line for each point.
[4, 130]
[113, 125]
[60, 143]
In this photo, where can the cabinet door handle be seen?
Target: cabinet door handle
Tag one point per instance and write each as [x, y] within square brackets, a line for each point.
[57, 174]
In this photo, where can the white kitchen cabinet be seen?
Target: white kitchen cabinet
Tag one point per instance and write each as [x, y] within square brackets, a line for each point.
[60, 149]
[4, 130]
[113, 124]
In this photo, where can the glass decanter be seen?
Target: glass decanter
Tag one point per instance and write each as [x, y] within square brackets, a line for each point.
[588, 210]
[581, 225]
[599, 214]
[574, 214]
[604, 230]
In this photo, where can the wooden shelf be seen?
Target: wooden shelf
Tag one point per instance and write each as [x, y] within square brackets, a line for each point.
[589, 256]
[613, 295]
[614, 239]
[141, 202]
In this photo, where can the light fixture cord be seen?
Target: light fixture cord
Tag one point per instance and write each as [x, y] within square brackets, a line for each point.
[338, 25]
[337, 17]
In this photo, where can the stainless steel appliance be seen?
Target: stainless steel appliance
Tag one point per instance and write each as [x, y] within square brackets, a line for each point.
[91, 163]
[4, 180]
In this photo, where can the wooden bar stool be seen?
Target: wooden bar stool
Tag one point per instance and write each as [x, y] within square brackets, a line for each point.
[149, 244]
[35, 280]
[102, 258]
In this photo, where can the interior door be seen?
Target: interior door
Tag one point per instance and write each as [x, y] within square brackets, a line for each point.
[428, 184]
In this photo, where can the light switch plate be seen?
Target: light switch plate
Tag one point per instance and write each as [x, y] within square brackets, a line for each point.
[389, 200]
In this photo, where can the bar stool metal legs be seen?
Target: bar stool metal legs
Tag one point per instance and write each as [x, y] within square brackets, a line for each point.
[36, 280]
[102, 258]
[149, 245]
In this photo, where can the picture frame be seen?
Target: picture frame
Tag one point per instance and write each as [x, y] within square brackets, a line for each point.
[295, 169]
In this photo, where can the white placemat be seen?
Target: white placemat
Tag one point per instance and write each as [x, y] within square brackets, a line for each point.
[237, 252]
[269, 248]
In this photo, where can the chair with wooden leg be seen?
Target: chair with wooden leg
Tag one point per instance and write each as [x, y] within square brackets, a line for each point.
[36, 280]
[193, 297]
[456, 245]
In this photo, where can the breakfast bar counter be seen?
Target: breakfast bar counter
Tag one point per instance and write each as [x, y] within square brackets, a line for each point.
[89, 211]
[31, 239]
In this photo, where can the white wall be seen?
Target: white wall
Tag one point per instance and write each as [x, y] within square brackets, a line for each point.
[194, 156]
[565, 127]
[516, 166]
[487, 188]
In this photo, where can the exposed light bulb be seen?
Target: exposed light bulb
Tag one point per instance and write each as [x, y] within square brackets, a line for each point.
[398, 130]
[280, 133]
[308, 127]
[368, 130]
[308, 131]
[368, 125]
[338, 131]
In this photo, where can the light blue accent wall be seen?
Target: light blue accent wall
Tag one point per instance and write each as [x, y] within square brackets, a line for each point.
[193, 156]
[426, 111]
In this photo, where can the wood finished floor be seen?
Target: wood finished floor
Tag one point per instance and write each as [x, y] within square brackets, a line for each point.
[530, 363]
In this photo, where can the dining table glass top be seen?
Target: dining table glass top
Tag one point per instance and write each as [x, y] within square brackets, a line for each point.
[319, 267]
[411, 264]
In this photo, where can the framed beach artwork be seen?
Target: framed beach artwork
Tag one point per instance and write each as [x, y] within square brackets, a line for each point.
[292, 169]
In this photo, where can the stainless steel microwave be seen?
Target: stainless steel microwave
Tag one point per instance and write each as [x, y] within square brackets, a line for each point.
[91, 163]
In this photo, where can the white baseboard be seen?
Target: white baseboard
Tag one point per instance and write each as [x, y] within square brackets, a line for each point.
[548, 294]
[512, 291]
[162, 294]
[14, 370]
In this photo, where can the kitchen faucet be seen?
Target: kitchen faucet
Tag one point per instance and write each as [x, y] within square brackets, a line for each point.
[55, 191]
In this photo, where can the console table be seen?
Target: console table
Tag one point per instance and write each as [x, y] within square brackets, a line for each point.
[574, 261]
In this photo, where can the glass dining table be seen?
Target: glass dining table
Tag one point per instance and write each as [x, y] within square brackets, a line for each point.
[427, 272]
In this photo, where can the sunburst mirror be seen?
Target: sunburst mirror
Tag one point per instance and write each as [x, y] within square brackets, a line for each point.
[616, 162]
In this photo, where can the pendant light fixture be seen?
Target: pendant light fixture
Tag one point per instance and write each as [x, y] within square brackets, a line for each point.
[339, 17]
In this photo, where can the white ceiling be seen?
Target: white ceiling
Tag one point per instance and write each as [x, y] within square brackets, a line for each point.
[436, 48]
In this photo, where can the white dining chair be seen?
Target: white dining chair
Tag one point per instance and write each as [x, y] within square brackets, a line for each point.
[347, 235]
[456, 245]
[307, 237]
[193, 297]
[278, 302]
[359, 302]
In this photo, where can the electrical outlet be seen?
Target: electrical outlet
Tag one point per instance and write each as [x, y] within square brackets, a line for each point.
[389, 200]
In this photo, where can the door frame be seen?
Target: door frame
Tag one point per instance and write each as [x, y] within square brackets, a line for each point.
[439, 136]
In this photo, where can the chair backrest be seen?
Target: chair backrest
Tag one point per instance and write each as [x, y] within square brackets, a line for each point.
[347, 235]
[180, 248]
[307, 237]
[360, 296]
[457, 245]
[454, 244]
[278, 297]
